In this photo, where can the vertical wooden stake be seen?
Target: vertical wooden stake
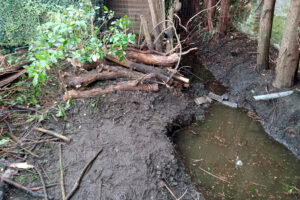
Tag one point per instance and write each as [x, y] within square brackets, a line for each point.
[158, 45]
[170, 44]
[146, 32]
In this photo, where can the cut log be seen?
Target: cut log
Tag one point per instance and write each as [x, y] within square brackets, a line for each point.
[105, 73]
[159, 73]
[122, 86]
[11, 78]
[153, 59]
[139, 67]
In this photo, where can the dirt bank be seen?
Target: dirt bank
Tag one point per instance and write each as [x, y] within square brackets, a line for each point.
[137, 156]
[232, 61]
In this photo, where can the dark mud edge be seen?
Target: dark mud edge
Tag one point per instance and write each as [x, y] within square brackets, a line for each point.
[232, 61]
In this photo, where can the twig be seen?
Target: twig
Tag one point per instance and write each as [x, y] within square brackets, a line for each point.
[16, 140]
[62, 185]
[173, 193]
[10, 133]
[52, 133]
[43, 182]
[27, 108]
[21, 187]
[180, 22]
[77, 183]
[41, 187]
[188, 51]
[213, 175]
[187, 24]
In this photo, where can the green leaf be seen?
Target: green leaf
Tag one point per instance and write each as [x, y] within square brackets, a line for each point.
[35, 80]
[40, 57]
[3, 142]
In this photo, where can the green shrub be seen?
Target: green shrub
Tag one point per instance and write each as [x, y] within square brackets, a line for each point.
[19, 18]
[72, 34]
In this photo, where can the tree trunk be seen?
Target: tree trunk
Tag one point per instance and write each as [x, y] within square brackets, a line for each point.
[224, 17]
[265, 31]
[211, 14]
[289, 53]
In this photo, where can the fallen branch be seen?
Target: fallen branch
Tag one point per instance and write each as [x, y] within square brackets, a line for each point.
[13, 68]
[21, 187]
[17, 142]
[153, 59]
[12, 78]
[43, 183]
[213, 175]
[52, 133]
[147, 69]
[173, 193]
[62, 185]
[105, 73]
[77, 183]
[122, 86]
[149, 51]
[273, 95]
[138, 67]
[41, 187]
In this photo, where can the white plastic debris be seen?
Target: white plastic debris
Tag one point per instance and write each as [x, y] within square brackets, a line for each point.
[238, 162]
[24, 165]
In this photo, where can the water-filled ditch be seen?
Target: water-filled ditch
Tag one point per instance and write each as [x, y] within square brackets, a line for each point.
[229, 156]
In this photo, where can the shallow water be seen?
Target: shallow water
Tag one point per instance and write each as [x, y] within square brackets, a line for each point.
[213, 149]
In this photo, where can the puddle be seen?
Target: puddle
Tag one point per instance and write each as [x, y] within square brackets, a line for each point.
[229, 156]
[200, 74]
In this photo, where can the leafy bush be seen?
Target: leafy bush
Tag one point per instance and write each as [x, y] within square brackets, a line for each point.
[18, 18]
[71, 34]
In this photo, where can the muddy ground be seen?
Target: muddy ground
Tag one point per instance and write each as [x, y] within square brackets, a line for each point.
[135, 128]
[132, 128]
[232, 61]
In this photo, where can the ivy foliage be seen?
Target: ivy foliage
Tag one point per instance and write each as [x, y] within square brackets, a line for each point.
[19, 18]
[72, 34]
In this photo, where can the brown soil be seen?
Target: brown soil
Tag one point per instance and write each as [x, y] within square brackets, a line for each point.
[137, 156]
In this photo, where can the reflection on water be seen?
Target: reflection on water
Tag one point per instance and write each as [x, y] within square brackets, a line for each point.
[229, 156]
